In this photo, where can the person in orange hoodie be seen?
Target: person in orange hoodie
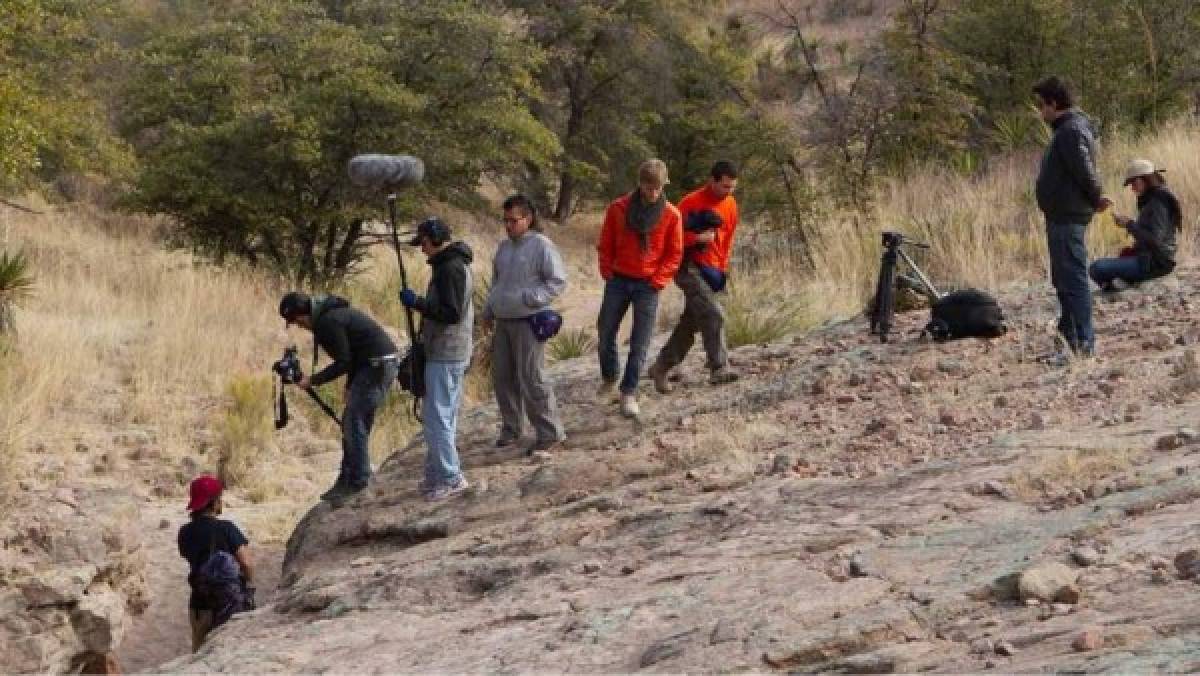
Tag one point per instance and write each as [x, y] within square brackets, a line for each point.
[710, 217]
[640, 249]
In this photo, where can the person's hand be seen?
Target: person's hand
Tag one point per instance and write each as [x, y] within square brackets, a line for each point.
[706, 236]
[408, 298]
[1103, 203]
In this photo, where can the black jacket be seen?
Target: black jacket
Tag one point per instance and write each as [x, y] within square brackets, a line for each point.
[447, 315]
[1068, 188]
[1159, 218]
[348, 336]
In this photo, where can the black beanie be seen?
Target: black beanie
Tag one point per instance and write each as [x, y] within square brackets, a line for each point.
[294, 304]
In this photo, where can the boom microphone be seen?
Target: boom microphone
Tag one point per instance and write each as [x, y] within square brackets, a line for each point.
[385, 171]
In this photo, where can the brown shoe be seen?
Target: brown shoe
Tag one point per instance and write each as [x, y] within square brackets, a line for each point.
[722, 376]
[659, 375]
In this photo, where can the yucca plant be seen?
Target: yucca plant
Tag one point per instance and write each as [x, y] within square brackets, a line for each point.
[16, 284]
[571, 344]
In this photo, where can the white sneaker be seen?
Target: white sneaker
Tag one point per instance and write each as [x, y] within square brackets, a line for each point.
[629, 406]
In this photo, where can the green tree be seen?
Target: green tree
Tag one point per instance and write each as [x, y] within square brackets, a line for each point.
[245, 119]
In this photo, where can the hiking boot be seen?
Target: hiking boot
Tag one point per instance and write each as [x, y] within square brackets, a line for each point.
[629, 406]
[507, 439]
[659, 375]
[722, 376]
[457, 487]
[607, 393]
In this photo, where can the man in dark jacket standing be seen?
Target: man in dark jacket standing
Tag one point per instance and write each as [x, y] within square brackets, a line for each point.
[1069, 193]
[362, 351]
[1159, 219]
[447, 321]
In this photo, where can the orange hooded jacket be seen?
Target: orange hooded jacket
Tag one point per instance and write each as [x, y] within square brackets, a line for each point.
[716, 254]
[620, 252]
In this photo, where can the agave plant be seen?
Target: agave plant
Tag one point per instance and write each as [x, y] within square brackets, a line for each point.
[16, 284]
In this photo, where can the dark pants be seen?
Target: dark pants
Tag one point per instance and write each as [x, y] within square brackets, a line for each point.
[1068, 273]
[1127, 268]
[703, 314]
[619, 294]
[368, 387]
[519, 380]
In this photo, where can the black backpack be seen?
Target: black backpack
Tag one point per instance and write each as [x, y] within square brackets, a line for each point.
[218, 586]
[964, 314]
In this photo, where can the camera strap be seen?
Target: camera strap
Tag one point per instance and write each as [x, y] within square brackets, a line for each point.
[281, 408]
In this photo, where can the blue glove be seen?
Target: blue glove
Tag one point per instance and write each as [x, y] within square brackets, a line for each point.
[408, 298]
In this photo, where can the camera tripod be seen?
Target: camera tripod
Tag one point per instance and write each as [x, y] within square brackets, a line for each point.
[884, 310]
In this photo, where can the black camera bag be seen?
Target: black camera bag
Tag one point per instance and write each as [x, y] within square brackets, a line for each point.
[410, 374]
[966, 313]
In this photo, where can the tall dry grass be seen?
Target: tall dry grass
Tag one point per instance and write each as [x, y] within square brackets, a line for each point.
[984, 231]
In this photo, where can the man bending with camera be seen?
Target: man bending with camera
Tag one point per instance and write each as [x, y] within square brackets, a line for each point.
[362, 351]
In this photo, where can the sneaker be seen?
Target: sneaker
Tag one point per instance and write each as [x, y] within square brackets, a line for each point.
[507, 439]
[449, 490]
[659, 375]
[629, 406]
[607, 393]
[337, 488]
[545, 447]
[722, 376]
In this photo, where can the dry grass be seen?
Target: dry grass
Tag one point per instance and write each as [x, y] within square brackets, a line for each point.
[1070, 469]
[245, 435]
[733, 445]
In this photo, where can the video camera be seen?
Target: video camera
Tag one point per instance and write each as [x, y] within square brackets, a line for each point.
[288, 368]
[289, 371]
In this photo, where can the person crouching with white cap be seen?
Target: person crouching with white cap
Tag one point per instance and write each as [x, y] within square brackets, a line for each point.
[1158, 220]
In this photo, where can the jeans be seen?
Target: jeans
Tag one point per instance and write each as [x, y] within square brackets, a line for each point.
[1068, 273]
[1128, 269]
[443, 394]
[368, 387]
[619, 294]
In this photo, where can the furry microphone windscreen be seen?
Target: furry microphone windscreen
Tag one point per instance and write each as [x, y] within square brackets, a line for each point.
[386, 171]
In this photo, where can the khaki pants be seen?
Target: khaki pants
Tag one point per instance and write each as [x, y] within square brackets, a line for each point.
[201, 621]
[519, 379]
[703, 314]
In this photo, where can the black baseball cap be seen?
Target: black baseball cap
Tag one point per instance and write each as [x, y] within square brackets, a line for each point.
[293, 304]
[434, 229]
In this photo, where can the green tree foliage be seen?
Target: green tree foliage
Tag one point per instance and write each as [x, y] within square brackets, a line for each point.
[245, 118]
[50, 119]
[16, 284]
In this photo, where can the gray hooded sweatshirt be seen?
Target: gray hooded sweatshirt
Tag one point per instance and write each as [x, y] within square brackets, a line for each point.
[527, 275]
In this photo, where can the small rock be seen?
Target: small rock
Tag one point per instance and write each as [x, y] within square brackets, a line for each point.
[951, 366]
[1037, 421]
[1106, 388]
[164, 524]
[1159, 340]
[1160, 576]
[1158, 562]
[1077, 495]
[81, 447]
[1063, 608]
[1005, 649]
[983, 646]
[856, 379]
[1168, 442]
[846, 399]
[1098, 490]
[1069, 594]
[723, 632]
[948, 418]
[1085, 556]
[1032, 603]
[782, 464]
[858, 566]
[1187, 563]
[1001, 401]
[665, 648]
[590, 567]
[997, 488]
[1087, 640]
[1047, 582]
[1188, 435]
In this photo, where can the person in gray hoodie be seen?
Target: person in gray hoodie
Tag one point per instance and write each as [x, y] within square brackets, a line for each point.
[447, 320]
[527, 275]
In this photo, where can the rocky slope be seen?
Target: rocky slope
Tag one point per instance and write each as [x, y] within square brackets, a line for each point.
[847, 506]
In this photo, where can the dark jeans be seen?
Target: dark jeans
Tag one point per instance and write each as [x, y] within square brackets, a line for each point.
[619, 294]
[1128, 269]
[1068, 273]
[368, 387]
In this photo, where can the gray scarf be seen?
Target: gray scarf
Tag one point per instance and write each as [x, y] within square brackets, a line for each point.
[641, 217]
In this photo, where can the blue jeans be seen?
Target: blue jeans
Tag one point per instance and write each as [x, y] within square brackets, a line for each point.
[1128, 269]
[1068, 273]
[619, 294]
[443, 394]
[368, 387]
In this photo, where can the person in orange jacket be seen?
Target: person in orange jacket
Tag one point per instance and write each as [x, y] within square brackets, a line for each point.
[710, 217]
[640, 249]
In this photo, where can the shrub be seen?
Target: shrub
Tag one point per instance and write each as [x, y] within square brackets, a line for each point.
[571, 344]
[245, 431]
[16, 284]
